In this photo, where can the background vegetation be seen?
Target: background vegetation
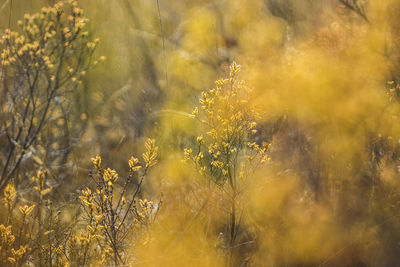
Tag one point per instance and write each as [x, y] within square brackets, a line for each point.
[200, 132]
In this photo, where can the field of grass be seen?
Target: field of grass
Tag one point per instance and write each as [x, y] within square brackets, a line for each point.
[200, 133]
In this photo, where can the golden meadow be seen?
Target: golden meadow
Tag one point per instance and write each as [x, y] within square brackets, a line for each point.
[200, 133]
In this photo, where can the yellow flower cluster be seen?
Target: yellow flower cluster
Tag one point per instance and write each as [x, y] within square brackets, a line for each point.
[144, 210]
[9, 195]
[96, 161]
[17, 254]
[7, 240]
[133, 164]
[150, 156]
[47, 36]
[87, 199]
[6, 234]
[40, 183]
[229, 122]
[7, 237]
[112, 210]
[26, 210]
[110, 176]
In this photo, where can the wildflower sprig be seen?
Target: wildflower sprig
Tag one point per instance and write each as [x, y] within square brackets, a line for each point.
[229, 123]
[13, 256]
[9, 196]
[40, 186]
[113, 209]
[225, 150]
[43, 60]
[44, 37]
[12, 251]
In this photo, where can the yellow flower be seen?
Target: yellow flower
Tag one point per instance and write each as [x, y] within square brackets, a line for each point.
[9, 194]
[200, 139]
[132, 164]
[96, 161]
[26, 210]
[150, 156]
